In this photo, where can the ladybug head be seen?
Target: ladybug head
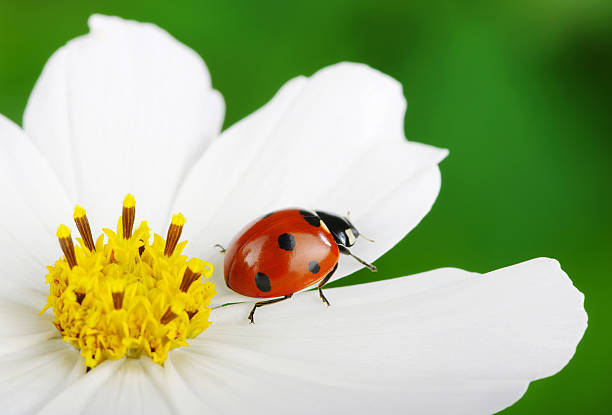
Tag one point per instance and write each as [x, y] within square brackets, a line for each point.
[340, 227]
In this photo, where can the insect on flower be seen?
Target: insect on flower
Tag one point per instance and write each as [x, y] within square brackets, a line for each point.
[286, 251]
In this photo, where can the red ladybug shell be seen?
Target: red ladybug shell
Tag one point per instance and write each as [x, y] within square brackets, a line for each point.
[279, 254]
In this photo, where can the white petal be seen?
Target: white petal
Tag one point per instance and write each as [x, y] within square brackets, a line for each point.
[22, 327]
[442, 342]
[333, 141]
[125, 108]
[34, 363]
[31, 377]
[33, 204]
[115, 387]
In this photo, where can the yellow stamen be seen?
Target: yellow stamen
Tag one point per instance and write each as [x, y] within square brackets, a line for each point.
[63, 234]
[80, 218]
[179, 220]
[117, 289]
[174, 233]
[128, 215]
[79, 212]
[118, 299]
[129, 201]
[80, 297]
[194, 270]
[127, 297]
[168, 316]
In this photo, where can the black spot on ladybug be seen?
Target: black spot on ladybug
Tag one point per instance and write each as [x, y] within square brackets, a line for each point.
[313, 266]
[268, 215]
[286, 241]
[263, 282]
[311, 217]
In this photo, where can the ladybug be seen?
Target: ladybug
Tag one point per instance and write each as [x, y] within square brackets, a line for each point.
[286, 251]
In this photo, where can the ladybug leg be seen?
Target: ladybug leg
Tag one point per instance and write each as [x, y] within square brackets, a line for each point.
[262, 303]
[344, 250]
[220, 248]
[324, 281]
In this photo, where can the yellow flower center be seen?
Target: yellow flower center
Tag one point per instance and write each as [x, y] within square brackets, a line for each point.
[122, 296]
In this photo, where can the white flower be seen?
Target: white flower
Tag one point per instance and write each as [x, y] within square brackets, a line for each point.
[127, 108]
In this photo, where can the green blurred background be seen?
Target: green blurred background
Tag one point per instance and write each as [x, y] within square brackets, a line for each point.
[520, 92]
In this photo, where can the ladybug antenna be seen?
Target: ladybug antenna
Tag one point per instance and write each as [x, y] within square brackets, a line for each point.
[220, 248]
[366, 238]
[348, 215]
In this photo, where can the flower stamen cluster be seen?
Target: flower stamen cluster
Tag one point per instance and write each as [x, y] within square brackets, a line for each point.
[122, 296]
